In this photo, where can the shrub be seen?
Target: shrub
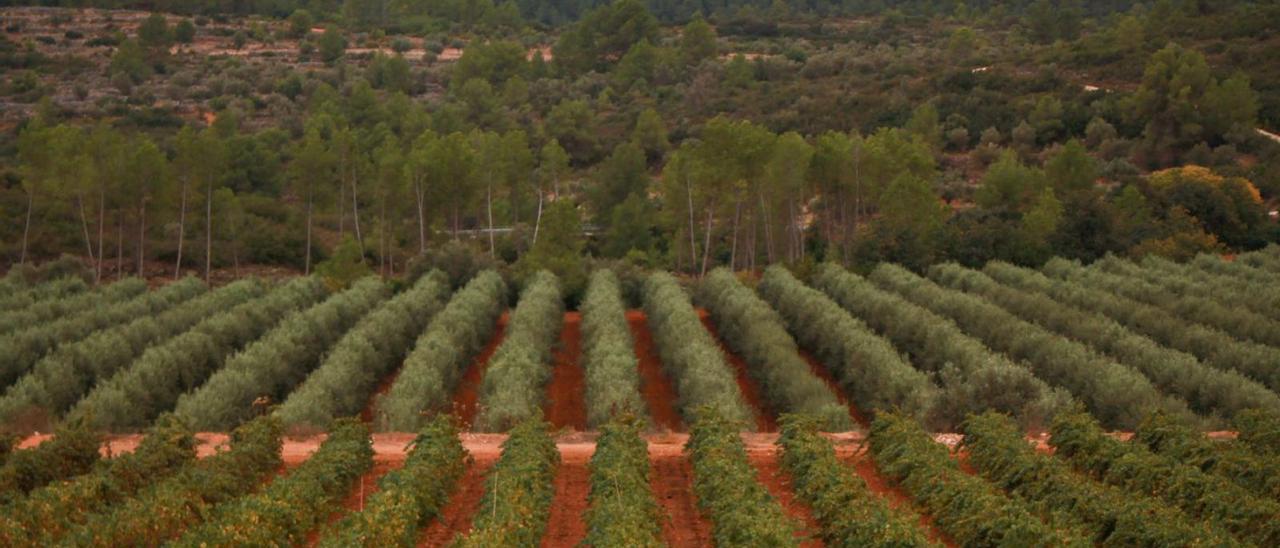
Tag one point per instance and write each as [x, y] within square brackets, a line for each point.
[973, 377]
[61, 378]
[518, 492]
[1215, 348]
[608, 352]
[1117, 394]
[431, 371]
[153, 383]
[621, 508]
[998, 451]
[689, 355]
[49, 512]
[969, 509]
[1230, 459]
[847, 511]
[756, 333]
[277, 360]
[409, 497]
[162, 511]
[119, 302]
[867, 366]
[1259, 298]
[511, 391]
[73, 450]
[1208, 390]
[291, 506]
[741, 511]
[56, 289]
[1259, 431]
[1079, 439]
[352, 368]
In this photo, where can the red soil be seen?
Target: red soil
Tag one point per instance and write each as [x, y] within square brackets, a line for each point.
[897, 498]
[769, 474]
[566, 526]
[457, 514]
[658, 390]
[361, 489]
[466, 396]
[765, 421]
[819, 370]
[366, 414]
[566, 393]
[672, 484]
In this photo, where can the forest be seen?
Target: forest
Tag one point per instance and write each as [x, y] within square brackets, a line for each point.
[684, 137]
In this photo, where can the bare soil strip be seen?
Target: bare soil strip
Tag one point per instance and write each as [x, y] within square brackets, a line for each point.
[820, 370]
[658, 390]
[566, 405]
[672, 482]
[765, 420]
[466, 396]
[769, 473]
[880, 485]
[462, 505]
[566, 526]
[366, 414]
[361, 489]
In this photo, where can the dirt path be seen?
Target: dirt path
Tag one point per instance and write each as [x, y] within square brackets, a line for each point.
[566, 526]
[865, 465]
[658, 390]
[765, 420]
[461, 506]
[466, 396]
[361, 489]
[366, 414]
[566, 405]
[770, 474]
[822, 372]
[672, 482]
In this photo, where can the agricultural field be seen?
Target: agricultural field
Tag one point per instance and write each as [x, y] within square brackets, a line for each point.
[1119, 403]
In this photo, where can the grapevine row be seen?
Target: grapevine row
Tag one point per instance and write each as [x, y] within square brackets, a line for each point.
[998, 451]
[608, 352]
[291, 506]
[72, 451]
[754, 331]
[741, 511]
[352, 368]
[1231, 460]
[1206, 389]
[518, 492]
[689, 355]
[847, 511]
[432, 369]
[1260, 432]
[621, 508]
[1078, 438]
[409, 497]
[972, 511]
[973, 377]
[277, 360]
[153, 383]
[511, 391]
[61, 378]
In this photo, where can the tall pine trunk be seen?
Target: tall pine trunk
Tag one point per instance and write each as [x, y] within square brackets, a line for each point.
[208, 229]
[102, 221]
[355, 214]
[26, 228]
[119, 244]
[142, 234]
[706, 246]
[306, 269]
[693, 244]
[422, 225]
[488, 199]
[538, 220]
[182, 230]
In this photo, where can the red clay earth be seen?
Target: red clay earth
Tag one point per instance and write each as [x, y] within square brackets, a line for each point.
[658, 390]
[467, 395]
[819, 370]
[671, 478]
[566, 526]
[457, 514]
[566, 393]
[865, 465]
[765, 421]
[769, 474]
[366, 414]
[361, 489]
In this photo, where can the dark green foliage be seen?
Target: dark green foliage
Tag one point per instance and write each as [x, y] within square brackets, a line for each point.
[689, 355]
[741, 511]
[756, 332]
[343, 383]
[291, 506]
[512, 389]
[998, 451]
[849, 513]
[518, 492]
[973, 376]
[1228, 459]
[56, 289]
[162, 511]
[72, 303]
[409, 497]
[969, 509]
[1259, 431]
[608, 352]
[621, 508]
[1079, 439]
[439, 357]
[72, 451]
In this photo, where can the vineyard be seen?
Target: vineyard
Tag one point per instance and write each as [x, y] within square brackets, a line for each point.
[1119, 403]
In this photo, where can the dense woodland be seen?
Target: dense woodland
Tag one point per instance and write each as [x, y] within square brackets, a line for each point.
[674, 135]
